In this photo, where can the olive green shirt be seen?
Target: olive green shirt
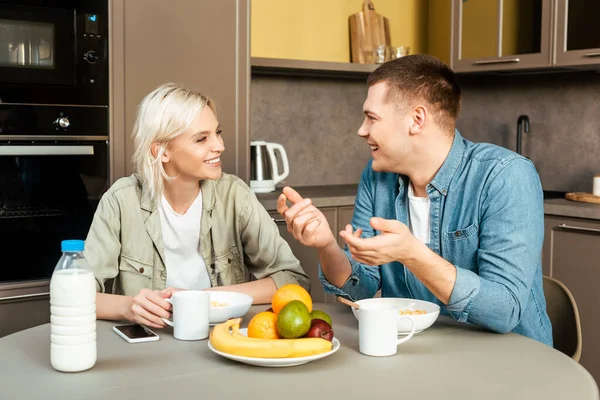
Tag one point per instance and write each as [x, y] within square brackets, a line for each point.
[239, 241]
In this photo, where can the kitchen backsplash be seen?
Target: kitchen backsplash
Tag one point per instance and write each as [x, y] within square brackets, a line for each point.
[316, 120]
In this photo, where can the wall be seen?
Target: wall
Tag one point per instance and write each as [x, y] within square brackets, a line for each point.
[318, 29]
[564, 110]
[316, 120]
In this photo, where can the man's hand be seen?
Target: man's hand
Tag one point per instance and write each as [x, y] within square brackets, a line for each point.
[148, 307]
[394, 243]
[308, 225]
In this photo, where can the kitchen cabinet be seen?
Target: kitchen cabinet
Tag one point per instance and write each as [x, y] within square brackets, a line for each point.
[345, 218]
[577, 32]
[337, 217]
[501, 35]
[203, 45]
[308, 257]
[23, 306]
[571, 254]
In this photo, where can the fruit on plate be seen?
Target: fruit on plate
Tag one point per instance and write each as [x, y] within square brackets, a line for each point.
[293, 321]
[226, 337]
[287, 293]
[320, 329]
[319, 314]
[263, 326]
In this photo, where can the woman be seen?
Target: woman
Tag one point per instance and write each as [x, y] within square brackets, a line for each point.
[179, 222]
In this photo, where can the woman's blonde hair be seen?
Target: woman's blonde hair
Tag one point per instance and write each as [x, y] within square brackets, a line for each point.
[165, 113]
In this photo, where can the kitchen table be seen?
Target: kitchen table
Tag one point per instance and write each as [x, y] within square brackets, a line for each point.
[449, 360]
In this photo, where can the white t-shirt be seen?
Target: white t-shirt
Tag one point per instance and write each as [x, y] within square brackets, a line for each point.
[418, 214]
[181, 238]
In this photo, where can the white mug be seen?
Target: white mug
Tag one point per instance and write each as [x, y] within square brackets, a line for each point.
[190, 314]
[378, 330]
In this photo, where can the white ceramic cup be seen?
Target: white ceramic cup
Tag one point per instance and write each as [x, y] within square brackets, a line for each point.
[378, 330]
[190, 314]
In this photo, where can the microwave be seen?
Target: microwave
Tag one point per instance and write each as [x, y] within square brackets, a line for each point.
[54, 52]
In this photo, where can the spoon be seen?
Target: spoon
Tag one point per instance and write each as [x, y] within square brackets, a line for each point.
[348, 303]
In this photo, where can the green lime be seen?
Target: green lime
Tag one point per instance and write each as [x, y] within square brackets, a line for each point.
[293, 321]
[318, 314]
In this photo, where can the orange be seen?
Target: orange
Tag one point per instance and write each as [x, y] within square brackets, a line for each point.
[290, 292]
[264, 326]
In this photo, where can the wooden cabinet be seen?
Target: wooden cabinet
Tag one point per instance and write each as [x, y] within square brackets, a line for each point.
[203, 45]
[337, 217]
[308, 257]
[577, 32]
[496, 35]
[23, 306]
[345, 218]
[571, 255]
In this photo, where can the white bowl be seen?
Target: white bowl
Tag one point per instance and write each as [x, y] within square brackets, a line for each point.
[236, 305]
[422, 321]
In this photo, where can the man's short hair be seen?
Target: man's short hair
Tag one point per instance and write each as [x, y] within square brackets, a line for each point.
[420, 77]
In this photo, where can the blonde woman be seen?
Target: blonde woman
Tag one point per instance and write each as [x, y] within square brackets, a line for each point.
[179, 222]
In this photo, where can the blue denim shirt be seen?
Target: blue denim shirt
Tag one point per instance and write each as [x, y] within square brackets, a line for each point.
[487, 219]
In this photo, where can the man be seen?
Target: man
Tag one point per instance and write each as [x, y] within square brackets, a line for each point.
[437, 217]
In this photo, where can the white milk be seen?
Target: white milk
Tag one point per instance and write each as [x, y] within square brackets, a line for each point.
[73, 320]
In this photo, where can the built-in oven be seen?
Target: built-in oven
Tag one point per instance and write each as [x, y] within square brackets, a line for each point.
[53, 171]
[54, 51]
[54, 168]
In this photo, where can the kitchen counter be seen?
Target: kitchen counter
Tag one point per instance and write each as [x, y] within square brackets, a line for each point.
[568, 208]
[321, 196]
[344, 195]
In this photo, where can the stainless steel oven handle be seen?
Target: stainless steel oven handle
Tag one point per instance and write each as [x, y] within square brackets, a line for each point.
[57, 150]
[53, 138]
[24, 296]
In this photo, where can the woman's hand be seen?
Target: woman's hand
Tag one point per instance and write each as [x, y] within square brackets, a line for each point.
[149, 306]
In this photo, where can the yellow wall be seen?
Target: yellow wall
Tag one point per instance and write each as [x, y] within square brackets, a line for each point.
[480, 29]
[439, 29]
[318, 29]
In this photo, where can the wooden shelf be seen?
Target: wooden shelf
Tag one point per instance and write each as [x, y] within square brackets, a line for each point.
[323, 69]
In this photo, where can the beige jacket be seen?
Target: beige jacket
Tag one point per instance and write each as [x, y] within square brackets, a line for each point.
[239, 240]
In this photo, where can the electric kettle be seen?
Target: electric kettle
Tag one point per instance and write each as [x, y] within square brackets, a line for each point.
[264, 172]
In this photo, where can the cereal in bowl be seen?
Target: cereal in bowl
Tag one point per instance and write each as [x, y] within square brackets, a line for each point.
[412, 312]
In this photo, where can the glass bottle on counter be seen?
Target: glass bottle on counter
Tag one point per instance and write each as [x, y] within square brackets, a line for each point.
[72, 311]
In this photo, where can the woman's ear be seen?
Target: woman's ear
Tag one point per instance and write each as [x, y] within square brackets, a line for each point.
[157, 149]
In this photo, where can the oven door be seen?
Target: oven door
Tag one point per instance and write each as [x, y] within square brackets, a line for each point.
[37, 45]
[49, 191]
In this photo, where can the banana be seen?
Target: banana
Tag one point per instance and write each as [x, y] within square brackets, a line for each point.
[233, 342]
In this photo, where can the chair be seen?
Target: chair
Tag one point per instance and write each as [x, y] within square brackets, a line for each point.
[564, 316]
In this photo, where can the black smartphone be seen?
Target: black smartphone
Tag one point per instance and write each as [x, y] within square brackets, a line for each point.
[135, 333]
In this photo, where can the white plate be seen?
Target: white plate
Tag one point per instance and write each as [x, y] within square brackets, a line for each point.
[276, 362]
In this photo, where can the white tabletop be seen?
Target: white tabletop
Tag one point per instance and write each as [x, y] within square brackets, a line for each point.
[447, 361]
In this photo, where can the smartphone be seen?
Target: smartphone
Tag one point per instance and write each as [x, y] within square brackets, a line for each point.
[135, 333]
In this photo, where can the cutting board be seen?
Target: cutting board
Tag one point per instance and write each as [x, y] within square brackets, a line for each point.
[367, 31]
[582, 196]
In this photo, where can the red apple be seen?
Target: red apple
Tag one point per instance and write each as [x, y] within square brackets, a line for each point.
[320, 329]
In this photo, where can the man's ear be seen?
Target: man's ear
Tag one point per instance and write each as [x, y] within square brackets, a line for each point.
[420, 116]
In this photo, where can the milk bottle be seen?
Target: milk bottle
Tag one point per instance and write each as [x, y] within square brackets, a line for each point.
[72, 311]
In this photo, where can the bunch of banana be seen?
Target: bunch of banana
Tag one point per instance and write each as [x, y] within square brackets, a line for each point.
[226, 337]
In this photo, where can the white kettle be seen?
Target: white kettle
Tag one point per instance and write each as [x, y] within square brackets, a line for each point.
[264, 167]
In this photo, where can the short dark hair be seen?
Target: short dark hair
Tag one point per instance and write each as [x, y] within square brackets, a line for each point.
[422, 77]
